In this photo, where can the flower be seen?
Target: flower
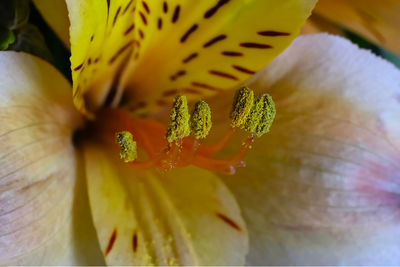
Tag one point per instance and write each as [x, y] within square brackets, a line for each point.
[319, 189]
[377, 21]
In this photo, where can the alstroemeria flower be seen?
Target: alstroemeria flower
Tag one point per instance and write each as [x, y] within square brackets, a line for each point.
[375, 20]
[320, 188]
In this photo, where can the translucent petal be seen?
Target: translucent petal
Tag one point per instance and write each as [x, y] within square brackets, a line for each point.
[316, 24]
[169, 47]
[56, 15]
[322, 187]
[185, 217]
[376, 20]
[37, 165]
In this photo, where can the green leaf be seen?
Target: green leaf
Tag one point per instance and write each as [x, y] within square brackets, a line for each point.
[7, 37]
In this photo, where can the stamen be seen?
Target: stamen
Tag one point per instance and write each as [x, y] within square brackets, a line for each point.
[179, 126]
[128, 151]
[200, 122]
[258, 123]
[254, 116]
[241, 108]
[174, 150]
[267, 115]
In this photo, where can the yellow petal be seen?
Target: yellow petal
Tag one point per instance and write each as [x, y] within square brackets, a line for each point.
[322, 187]
[56, 15]
[101, 42]
[185, 217]
[376, 20]
[37, 163]
[169, 47]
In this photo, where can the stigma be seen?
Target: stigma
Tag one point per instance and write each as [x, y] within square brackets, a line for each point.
[180, 143]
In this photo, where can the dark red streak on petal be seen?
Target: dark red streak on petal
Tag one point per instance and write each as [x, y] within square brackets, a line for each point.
[175, 17]
[120, 51]
[273, 33]
[135, 242]
[78, 67]
[190, 57]
[111, 242]
[177, 75]
[189, 32]
[229, 221]
[116, 16]
[192, 91]
[232, 53]
[127, 7]
[255, 45]
[108, 6]
[165, 7]
[214, 40]
[141, 34]
[146, 7]
[223, 74]
[143, 17]
[159, 23]
[243, 69]
[215, 8]
[129, 29]
[206, 86]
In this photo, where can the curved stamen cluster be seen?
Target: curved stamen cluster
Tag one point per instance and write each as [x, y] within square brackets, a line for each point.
[254, 115]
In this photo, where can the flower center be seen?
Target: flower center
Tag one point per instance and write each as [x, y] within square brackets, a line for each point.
[172, 146]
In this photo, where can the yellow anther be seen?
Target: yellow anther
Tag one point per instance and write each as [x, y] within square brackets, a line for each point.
[128, 150]
[200, 122]
[179, 126]
[266, 115]
[241, 108]
[255, 115]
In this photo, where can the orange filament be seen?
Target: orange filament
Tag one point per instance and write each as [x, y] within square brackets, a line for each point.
[172, 155]
[223, 142]
[150, 137]
[194, 149]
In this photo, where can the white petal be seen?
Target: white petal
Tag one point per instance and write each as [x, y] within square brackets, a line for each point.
[375, 20]
[323, 186]
[37, 163]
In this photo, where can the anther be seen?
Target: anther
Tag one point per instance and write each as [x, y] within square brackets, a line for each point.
[254, 116]
[266, 115]
[179, 126]
[241, 107]
[128, 150]
[200, 122]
